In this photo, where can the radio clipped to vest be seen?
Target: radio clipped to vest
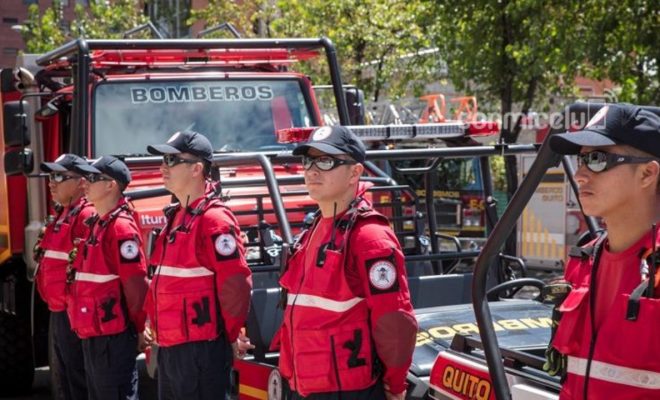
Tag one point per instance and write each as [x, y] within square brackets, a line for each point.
[648, 270]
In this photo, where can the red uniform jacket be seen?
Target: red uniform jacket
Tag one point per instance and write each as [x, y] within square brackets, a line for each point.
[109, 277]
[66, 228]
[622, 356]
[348, 319]
[201, 285]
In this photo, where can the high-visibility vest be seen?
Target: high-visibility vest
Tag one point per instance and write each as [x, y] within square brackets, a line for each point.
[55, 246]
[622, 361]
[326, 336]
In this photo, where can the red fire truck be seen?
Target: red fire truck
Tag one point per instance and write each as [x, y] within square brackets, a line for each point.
[96, 97]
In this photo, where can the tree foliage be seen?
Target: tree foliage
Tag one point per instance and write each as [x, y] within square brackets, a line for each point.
[251, 18]
[103, 19]
[623, 45]
[376, 40]
[514, 53]
[42, 33]
[108, 20]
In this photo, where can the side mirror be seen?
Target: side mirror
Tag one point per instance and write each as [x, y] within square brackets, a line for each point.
[15, 124]
[19, 161]
[7, 80]
[355, 103]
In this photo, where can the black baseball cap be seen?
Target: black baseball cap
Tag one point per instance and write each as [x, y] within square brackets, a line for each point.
[63, 163]
[614, 124]
[185, 142]
[334, 140]
[108, 165]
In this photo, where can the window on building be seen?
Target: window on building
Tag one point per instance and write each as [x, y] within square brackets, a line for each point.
[9, 20]
[30, 2]
[10, 51]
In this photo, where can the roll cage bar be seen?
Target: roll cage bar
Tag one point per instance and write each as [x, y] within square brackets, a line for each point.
[545, 159]
[78, 53]
[266, 160]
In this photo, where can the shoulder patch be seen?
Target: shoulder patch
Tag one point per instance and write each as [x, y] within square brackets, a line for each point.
[382, 276]
[129, 251]
[225, 246]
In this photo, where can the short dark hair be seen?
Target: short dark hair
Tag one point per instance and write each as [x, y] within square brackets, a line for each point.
[207, 168]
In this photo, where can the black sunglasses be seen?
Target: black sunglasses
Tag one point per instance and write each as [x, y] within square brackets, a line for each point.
[59, 178]
[324, 163]
[599, 161]
[93, 178]
[172, 160]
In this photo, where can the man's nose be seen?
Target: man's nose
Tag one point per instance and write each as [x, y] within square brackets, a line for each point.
[582, 174]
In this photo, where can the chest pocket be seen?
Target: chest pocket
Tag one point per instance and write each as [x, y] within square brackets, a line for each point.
[574, 322]
[186, 304]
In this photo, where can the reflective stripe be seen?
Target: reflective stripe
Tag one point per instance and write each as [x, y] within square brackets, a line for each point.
[58, 255]
[321, 302]
[97, 278]
[183, 272]
[615, 374]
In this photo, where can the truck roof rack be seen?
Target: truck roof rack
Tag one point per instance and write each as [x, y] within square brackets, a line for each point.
[79, 54]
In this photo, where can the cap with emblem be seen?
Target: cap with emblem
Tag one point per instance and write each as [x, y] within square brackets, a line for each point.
[614, 124]
[63, 163]
[108, 165]
[334, 140]
[185, 142]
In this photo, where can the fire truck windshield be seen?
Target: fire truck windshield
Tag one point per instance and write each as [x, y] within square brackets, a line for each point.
[236, 115]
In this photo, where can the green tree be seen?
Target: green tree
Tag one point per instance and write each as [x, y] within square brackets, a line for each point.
[511, 52]
[377, 41]
[108, 20]
[42, 33]
[251, 18]
[103, 19]
[624, 38]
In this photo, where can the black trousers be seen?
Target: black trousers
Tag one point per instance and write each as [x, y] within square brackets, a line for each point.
[111, 366]
[375, 392]
[195, 370]
[68, 357]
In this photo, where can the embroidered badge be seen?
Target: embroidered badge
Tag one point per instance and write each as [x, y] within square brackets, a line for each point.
[225, 246]
[129, 250]
[382, 275]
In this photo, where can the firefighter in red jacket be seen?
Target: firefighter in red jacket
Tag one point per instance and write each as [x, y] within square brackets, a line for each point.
[108, 285]
[608, 332]
[349, 329]
[62, 232]
[199, 294]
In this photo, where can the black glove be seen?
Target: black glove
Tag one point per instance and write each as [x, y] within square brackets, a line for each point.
[555, 362]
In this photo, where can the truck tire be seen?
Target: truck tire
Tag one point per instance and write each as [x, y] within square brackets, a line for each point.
[16, 363]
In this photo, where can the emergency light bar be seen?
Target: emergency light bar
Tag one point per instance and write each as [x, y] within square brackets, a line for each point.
[371, 133]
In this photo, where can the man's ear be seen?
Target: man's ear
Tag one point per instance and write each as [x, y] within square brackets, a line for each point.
[356, 171]
[650, 174]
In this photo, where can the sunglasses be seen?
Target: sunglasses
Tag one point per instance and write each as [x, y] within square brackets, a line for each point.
[599, 161]
[93, 178]
[324, 163]
[172, 160]
[59, 178]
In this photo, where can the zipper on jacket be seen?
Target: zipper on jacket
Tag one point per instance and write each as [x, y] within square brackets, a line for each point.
[293, 305]
[335, 365]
